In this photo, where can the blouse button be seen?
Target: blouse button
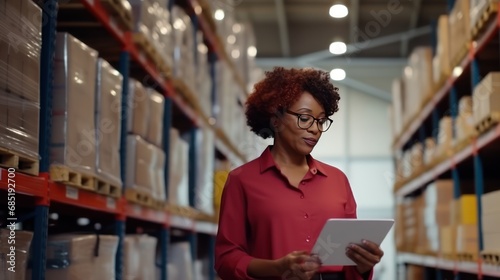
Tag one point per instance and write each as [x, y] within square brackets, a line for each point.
[308, 239]
[303, 183]
[314, 171]
[302, 196]
[306, 216]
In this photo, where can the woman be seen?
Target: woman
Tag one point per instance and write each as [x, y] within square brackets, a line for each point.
[275, 206]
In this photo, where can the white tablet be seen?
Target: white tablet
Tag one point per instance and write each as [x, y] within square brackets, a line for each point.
[337, 234]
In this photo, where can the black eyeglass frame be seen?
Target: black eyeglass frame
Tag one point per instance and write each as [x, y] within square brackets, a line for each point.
[298, 115]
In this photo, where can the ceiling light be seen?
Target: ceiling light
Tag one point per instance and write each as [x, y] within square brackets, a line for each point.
[338, 48]
[252, 51]
[337, 74]
[235, 54]
[338, 11]
[457, 71]
[219, 14]
[231, 39]
[237, 28]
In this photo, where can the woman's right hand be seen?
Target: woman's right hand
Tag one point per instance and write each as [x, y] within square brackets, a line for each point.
[298, 265]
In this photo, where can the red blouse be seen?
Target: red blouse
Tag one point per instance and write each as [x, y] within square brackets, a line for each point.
[263, 216]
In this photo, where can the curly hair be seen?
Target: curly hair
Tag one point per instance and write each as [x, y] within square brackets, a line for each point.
[280, 89]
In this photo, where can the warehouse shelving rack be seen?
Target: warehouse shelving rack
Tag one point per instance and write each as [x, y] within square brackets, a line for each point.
[41, 194]
[471, 161]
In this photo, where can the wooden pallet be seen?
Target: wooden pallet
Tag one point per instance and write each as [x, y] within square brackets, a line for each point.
[492, 258]
[466, 256]
[23, 164]
[66, 175]
[183, 211]
[150, 50]
[107, 188]
[138, 197]
[449, 256]
[488, 15]
[117, 9]
[488, 122]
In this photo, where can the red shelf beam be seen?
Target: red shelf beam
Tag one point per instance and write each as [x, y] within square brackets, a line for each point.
[23, 184]
[84, 199]
[146, 214]
[448, 164]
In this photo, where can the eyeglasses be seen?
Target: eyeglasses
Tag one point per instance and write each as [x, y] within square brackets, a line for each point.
[305, 121]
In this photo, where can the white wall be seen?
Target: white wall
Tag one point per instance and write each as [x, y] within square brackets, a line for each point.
[359, 144]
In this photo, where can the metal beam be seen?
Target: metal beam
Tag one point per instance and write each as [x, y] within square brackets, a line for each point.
[368, 44]
[282, 23]
[417, 4]
[354, 20]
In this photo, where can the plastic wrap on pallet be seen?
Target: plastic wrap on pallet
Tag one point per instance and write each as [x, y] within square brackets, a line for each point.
[138, 109]
[161, 34]
[464, 122]
[81, 256]
[159, 167]
[183, 262]
[73, 105]
[19, 125]
[139, 257]
[108, 122]
[14, 257]
[140, 165]
[143, 14]
[20, 42]
[178, 189]
[184, 49]
[155, 122]
[204, 185]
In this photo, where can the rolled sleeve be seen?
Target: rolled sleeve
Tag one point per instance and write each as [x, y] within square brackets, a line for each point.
[231, 245]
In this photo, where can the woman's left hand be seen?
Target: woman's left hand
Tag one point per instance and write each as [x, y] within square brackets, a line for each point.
[365, 255]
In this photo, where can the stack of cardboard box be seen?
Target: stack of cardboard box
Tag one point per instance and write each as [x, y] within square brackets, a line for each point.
[20, 241]
[20, 42]
[491, 226]
[438, 197]
[486, 97]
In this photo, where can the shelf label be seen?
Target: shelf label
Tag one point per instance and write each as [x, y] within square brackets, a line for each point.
[71, 193]
[110, 203]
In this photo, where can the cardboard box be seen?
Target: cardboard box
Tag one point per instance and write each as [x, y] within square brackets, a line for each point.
[491, 242]
[460, 35]
[140, 165]
[439, 193]
[23, 241]
[205, 169]
[32, 28]
[464, 210]
[138, 109]
[437, 215]
[489, 202]
[31, 127]
[108, 122]
[467, 238]
[417, 157]
[415, 272]
[15, 71]
[15, 130]
[73, 140]
[445, 136]
[490, 223]
[155, 122]
[448, 239]
[486, 97]
[429, 150]
[441, 61]
[178, 190]
[77, 258]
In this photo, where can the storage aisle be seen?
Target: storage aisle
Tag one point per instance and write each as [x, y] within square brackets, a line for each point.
[445, 118]
[119, 121]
